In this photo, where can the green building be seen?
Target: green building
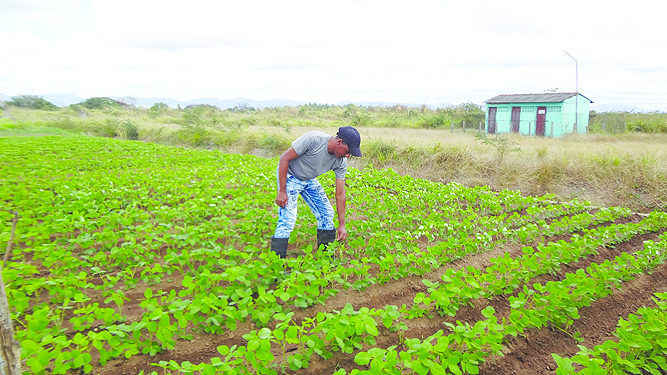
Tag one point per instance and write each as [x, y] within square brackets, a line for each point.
[547, 114]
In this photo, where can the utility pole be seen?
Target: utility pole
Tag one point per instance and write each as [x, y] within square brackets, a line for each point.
[576, 98]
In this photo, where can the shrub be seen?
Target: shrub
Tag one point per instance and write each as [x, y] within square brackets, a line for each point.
[31, 101]
[100, 103]
[433, 120]
[195, 135]
[656, 125]
[158, 109]
[380, 150]
[112, 128]
[274, 143]
[201, 114]
[361, 118]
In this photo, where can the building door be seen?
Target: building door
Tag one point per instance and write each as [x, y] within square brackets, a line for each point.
[541, 119]
[492, 120]
[516, 116]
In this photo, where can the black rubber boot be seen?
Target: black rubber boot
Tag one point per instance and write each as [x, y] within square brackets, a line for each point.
[325, 237]
[279, 246]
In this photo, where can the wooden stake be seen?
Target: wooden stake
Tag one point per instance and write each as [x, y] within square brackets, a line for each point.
[10, 350]
[11, 238]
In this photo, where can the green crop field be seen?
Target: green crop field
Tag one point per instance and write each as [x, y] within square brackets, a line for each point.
[139, 258]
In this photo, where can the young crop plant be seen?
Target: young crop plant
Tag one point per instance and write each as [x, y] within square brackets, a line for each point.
[460, 352]
[347, 329]
[640, 347]
[287, 332]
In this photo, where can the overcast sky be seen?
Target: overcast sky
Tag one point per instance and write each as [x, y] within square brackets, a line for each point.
[331, 51]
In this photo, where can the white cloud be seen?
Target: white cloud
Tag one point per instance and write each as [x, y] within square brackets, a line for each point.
[424, 51]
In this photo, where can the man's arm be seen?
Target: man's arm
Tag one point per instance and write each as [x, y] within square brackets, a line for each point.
[283, 166]
[341, 234]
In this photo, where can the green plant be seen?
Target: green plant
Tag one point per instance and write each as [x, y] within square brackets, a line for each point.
[158, 109]
[100, 103]
[31, 101]
[501, 144]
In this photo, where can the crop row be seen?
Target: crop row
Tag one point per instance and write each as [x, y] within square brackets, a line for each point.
[641, 345]
[555, 304]
[507, 273]
[461, 351]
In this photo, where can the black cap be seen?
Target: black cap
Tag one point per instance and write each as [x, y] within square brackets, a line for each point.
[351, 137]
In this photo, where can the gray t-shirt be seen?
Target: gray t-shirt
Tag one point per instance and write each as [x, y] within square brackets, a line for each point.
[314, 159]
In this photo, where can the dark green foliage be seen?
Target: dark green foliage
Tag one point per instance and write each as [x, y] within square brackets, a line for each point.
[132, 132]
[31, 101]
[434, 120]
[469, 112]
[119, 129]
[648, 125]
[100, 103]
[158, 109]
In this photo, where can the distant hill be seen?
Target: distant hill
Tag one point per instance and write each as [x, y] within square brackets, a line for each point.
[220, 103]
[63, 100]
[261, 104]
[614, 108]
[391, 104]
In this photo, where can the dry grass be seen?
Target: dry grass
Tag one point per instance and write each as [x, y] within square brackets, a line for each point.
[620, 170]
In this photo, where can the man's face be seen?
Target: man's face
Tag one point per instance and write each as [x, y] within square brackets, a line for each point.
[342, 150]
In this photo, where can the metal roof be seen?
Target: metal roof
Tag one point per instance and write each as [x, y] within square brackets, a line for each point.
[548, 97]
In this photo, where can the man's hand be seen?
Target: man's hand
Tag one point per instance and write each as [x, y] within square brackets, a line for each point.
[282, 199]
[341, 233]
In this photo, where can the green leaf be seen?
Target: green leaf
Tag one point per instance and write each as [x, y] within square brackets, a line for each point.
[371, 329]
[455, 369]
[29, 346]
[472, 368]
[34, 365]
[264, 333]
[279, 335]
[362, 358]
[488, 312]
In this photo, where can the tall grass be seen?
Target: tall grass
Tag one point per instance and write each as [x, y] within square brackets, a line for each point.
[628, 170]
[622, 122]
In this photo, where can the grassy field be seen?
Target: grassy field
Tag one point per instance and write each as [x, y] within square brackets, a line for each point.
[627, 169]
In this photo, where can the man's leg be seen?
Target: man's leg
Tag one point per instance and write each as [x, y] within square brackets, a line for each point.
[287, 217]
[319, 204]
